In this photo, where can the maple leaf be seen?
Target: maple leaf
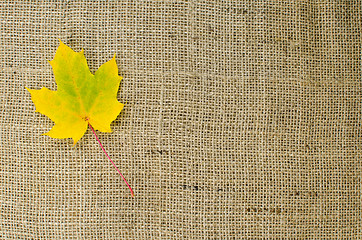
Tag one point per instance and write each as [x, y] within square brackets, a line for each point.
[81, 98]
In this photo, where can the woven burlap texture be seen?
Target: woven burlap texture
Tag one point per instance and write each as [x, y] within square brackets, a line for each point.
[242, 121]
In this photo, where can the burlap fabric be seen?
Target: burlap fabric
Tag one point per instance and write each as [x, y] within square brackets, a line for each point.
[242, 121]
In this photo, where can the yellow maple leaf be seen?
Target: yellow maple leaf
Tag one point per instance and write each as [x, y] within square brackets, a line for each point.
[81, 98]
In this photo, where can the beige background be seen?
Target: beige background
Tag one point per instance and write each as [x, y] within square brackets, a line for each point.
[242, 121]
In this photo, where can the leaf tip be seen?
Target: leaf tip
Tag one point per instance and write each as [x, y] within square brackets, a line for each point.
[29, 90]
[107, 130]
[77, 138]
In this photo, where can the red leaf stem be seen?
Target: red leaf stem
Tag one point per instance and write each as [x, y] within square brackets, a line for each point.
[111, 160]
